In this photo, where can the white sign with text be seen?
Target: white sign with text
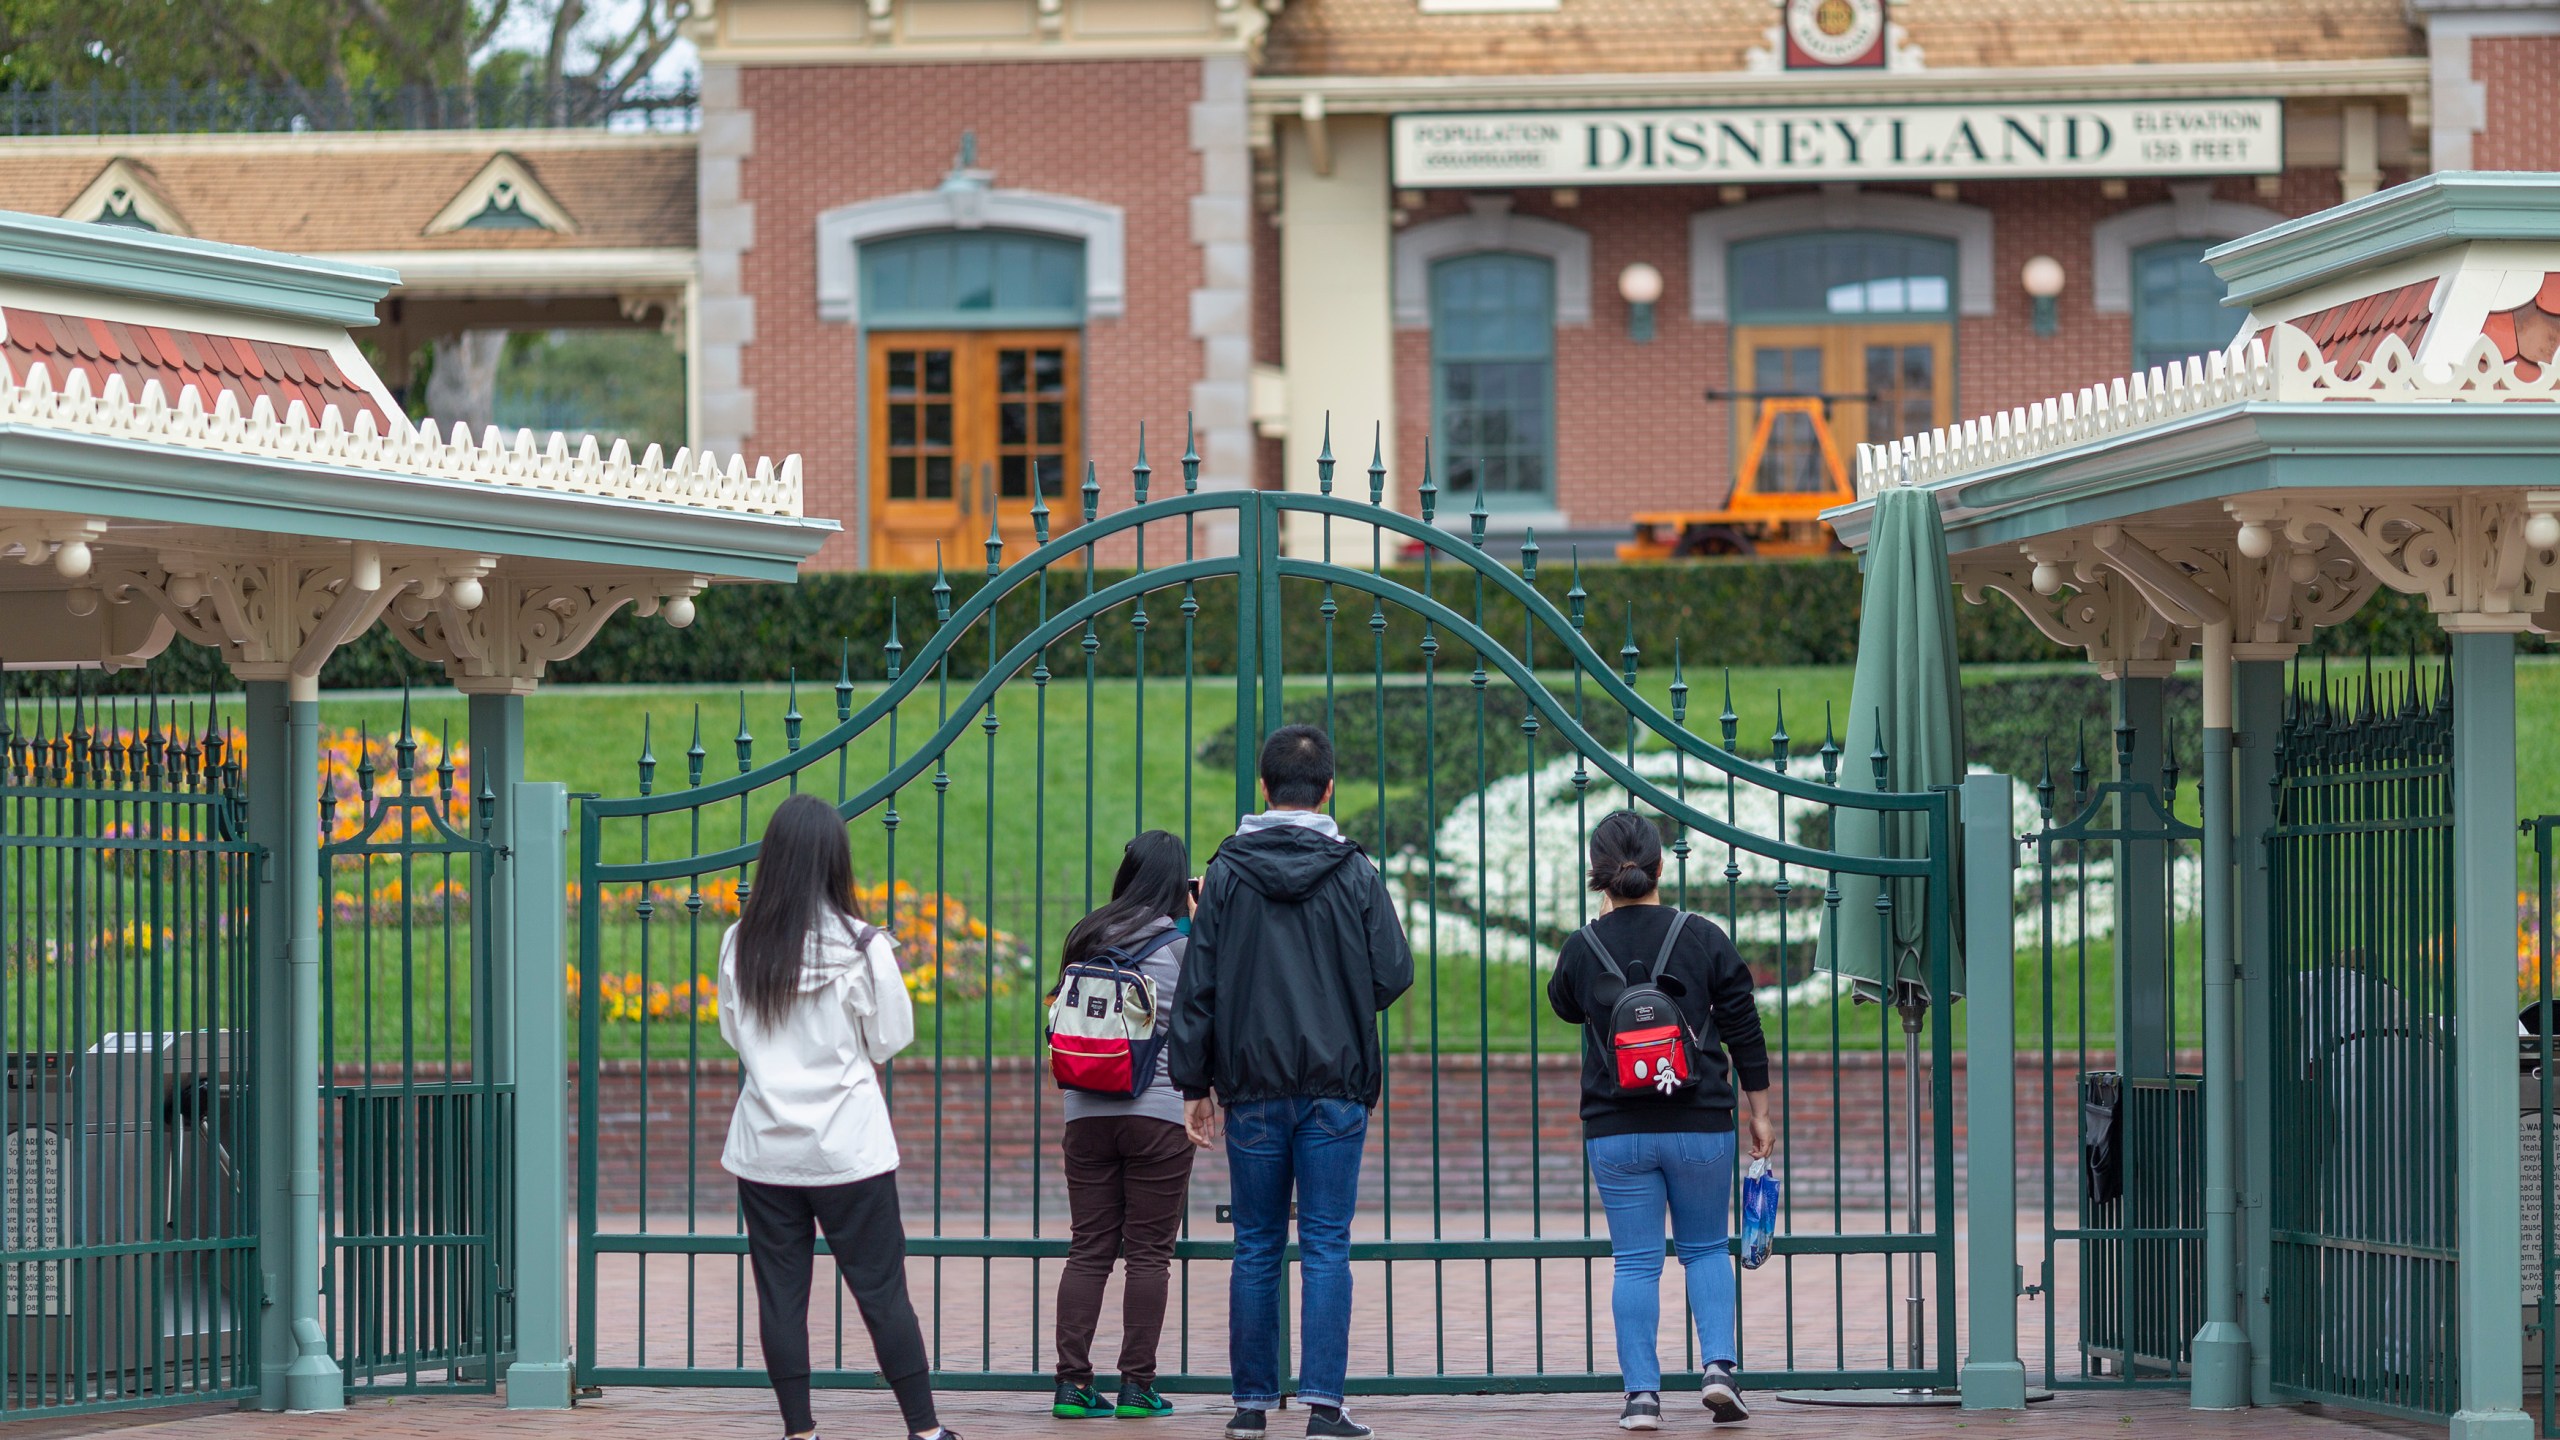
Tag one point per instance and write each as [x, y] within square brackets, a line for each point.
[1815, 143]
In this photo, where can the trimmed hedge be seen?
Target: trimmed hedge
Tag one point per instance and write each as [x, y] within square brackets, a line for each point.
[1771, 613]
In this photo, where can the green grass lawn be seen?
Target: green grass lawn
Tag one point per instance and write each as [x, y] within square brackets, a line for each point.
[1023, 857]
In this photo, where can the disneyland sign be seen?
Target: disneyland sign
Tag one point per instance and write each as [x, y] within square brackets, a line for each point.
[1825, 143]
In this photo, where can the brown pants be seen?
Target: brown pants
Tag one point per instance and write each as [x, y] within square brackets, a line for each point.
[1127, 1178]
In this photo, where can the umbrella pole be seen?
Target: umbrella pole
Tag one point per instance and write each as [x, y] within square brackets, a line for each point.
[1914, 1005]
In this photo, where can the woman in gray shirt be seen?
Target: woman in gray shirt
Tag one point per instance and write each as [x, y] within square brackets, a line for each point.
[1128, 1161]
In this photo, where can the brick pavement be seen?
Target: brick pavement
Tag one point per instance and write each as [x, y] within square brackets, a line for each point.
[642, 1414]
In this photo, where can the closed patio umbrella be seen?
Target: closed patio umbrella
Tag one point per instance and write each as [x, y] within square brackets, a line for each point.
[1904, 707]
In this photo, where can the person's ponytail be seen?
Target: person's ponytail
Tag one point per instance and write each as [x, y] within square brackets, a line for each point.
[1626, 856]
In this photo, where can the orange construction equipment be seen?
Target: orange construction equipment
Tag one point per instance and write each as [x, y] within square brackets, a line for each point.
[1755, 520]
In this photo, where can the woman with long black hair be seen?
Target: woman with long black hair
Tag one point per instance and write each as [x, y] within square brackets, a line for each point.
[811, 999]
[1128, 1162]
[1663, 1143]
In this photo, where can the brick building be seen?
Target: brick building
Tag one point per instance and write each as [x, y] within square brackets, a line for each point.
[940, 247]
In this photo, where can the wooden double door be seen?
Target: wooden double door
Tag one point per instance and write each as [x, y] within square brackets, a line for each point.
[964, 426]
[1885, 381]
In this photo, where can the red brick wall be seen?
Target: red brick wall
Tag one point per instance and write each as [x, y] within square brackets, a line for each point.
[1110, 131]
[2522, 76]
[1024, 1154]
[1631, 428]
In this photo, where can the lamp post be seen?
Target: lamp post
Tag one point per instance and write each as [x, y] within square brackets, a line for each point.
[1640, 285]
[2043, 277]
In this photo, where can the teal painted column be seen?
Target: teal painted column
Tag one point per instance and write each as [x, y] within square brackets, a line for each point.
[497, 763]
[271, 1075]
[312, 1380]
[1993, 1377]
[2257, 719]
[540, 1377]
[2489, 1212]
[2220, 1350]
[2142, 897]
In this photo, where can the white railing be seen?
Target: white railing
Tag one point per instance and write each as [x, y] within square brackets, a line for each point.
[2293, 372]
[691, 479]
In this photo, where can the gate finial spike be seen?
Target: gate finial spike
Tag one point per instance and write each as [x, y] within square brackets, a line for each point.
[695, 755]
[1190, 456]
[1679, 687]
[941, 588]
[1627, 652]
[1091, 493]
[1728, 722]
[1830, 751]
[1039, 507]
[1477, 515]
[1877, 759]
[364, 764]
[995, 543]
[648, 757]
[892, 649]
[2044, 785]
[1378, 464]
[2124, 750]
[1529, 555]
[745, 742]
[445, 766]
[1324, 458]
[1778, 737]
[844, 678]
[791, 716]
[1430, 488]
[405, 750]
[1142, 472]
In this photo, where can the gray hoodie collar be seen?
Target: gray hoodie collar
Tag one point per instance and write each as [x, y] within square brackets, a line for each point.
[1315, 820]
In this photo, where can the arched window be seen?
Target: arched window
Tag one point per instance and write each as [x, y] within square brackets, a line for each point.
[1824, 276]
[1493, 375]
[972, 279]
[2177, 304]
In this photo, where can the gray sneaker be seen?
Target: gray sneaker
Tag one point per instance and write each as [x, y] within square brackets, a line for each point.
[1643, 1412]
[1245, 1425]
[1723, 1397]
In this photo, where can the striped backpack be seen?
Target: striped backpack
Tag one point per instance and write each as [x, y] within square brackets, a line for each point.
[1105, 1035]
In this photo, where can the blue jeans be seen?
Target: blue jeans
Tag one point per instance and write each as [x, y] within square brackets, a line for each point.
[1639, 1177]
[1273, 1145]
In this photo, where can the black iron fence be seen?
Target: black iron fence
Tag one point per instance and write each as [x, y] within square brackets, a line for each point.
[252, 108]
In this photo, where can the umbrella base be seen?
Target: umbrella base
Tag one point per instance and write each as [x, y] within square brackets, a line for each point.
[1910, 1399]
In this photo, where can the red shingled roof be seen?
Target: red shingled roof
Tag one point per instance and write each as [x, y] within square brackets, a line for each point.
[2348, 334]
[180, 358]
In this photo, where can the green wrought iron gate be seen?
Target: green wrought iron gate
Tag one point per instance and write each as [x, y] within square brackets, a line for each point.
[128, 1264]
[2361, 1026]
[416, 1123]
[2117, 876]
[991, 773]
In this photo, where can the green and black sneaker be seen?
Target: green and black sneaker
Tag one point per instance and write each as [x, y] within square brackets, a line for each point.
[1079, 1402]
[1141, 1402]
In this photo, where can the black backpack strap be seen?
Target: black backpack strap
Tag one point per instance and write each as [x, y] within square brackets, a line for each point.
[1591, 936]
[1670, 937]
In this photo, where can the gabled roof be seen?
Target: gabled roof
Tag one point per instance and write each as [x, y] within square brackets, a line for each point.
[503, 196]
[126, 192]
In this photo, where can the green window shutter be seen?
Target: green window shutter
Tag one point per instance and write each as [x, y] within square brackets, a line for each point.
[2177, 304]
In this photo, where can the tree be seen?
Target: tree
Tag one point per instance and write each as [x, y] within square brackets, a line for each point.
[304, 47]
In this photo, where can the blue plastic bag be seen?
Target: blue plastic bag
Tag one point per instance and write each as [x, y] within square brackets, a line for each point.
[1759, 1213]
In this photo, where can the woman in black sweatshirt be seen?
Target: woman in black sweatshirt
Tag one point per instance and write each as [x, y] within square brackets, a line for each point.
[1663, 1145]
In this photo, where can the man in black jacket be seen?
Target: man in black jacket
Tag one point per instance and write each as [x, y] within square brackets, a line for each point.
[1295, 951]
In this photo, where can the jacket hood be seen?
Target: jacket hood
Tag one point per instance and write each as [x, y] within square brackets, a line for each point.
[1287, 862]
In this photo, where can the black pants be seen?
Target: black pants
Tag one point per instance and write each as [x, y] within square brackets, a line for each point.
[869, 1242]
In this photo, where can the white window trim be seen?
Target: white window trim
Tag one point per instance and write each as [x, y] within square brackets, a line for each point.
[843, 230]
[1714, 233]
[1489, 226]
[2191, 213]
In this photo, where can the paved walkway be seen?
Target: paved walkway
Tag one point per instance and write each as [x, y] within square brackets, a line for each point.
[716, 1415]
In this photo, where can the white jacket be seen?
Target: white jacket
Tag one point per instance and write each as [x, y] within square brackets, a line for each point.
[810, 1109]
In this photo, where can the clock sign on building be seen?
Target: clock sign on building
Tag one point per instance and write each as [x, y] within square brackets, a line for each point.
[1835, 34]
